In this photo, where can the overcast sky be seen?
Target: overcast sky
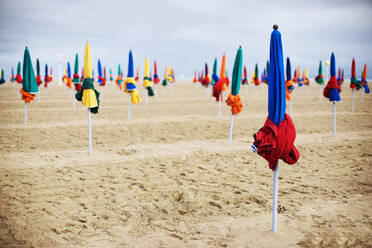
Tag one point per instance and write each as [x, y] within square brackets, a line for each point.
[185, 34]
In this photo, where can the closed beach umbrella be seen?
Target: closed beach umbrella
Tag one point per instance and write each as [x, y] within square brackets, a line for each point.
[319, 78]
[275, 140]
[130, 83]
[137, 76]
[164, 83]
[119, 79]
[111, 77]
[215, 77]
[207, 79]
[289, 85]
[2, 77]
[256, 79]
[147, 80]
[69, 77]
[245, 79]
[88, 95]
[221, 84]
[305, 77]
[101, 79]
[299, 79]
[156, 76]
[364, 82]
[76, 77]
[195, 77]
[18, 76]
[38, 77]
[233, 99]
[332, 90]
[354, 83]
[12, 79]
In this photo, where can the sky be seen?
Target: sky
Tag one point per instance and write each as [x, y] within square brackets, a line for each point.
[185, 34]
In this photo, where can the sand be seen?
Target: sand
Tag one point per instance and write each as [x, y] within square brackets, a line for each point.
[167, 177]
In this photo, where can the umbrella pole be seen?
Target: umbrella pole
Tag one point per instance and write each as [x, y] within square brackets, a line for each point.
[231, 128]
[146, 99]
[13, 86]
[219, 105]
[73, 102]
[352, 100]
[163, 91]
[25, 121]
[38, 97]
[206, 92]
[211, 93]
[156, 91]
[246, 89]
[89, 132]
[17, 89]
[275, 199]
[129, 106]
[290, 107]
[334, 119]
[255, 91]
[320, 93]
[361, 97]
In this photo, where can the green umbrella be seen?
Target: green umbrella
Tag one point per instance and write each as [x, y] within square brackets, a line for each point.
[319, 79]
[76, 78]
[38, 78]
[267, 68]
[256, 73]
[234, 99]
[214, 75]
[29, 81]
[18, 76]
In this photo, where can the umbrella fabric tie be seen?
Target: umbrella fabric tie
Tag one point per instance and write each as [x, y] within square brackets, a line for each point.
[164, 83]
[288, 89]
[206, 80]
[134, 97]
[235, 103]
[156, 79]
[27, 97]
[319, 79]
[69, 82]
[76, 78]
[19, 79]
[364, 83]
[355, 83]
[38, 80]
[147, 84]
[77, 87]
[276, 142]
[103, 81]
[221, 85]
[332, 90]
[88, 95]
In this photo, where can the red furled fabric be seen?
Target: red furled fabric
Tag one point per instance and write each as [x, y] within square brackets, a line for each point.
[332, 84]
[276, 142]
[38, 80]
[76, 76]
[78, 87]
[218, 87]
[103, 81]
[19, 79]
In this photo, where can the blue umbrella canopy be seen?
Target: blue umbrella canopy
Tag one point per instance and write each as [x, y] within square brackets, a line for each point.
[289, 73]
[277, 101]
[46, 70]
[99, 72]
[68, 70]
[130, 65]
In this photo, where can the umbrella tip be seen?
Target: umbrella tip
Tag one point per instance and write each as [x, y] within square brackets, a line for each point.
[275, 26]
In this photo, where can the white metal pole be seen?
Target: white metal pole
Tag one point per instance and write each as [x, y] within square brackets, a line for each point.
[290, 107]
[255, 91]
[231, 128]
[275, 199]
[17, 89]
[129, 106]
[206, 92]
[25, 122]
[361, 97]
[156, 91]
[146, 95]
[73, 102]
[246, 89]
[219, 105]
[89, 132]
[352, 100]
[39, 96]
[334, 119]
[320, 93]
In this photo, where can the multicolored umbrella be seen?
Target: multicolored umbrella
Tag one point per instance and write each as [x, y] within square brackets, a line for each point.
[255, 78]
[82, 75]
[264, 77]
[222, 83]
[354, 83]
[29, 85]
[207, 79]
[215, 77]
[38, 78]
[18, 76]
[245, 78]
[76, 77]
[171, 78]
[51, 74]
[299, 79]
[289, 83]
[295, 76]
[130, 83]
[69, 77]
[146, 80]
[364, 82]
[88, 95]
[156, 77]
[305, 77]
[275, 140]
[320, 78]
[195, 77]
[12, 79]
[332, 89]
[46, 76]
[2, 79]
[164, 83]
[201, 76]
[101, 78]
[339, 80]
[119, 79]
[104, 73]
[137, 76]
[233, 99]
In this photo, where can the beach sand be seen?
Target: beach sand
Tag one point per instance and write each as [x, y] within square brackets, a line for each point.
[167, 177]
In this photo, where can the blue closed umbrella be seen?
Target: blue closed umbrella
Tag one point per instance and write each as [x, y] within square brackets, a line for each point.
[99, 72]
